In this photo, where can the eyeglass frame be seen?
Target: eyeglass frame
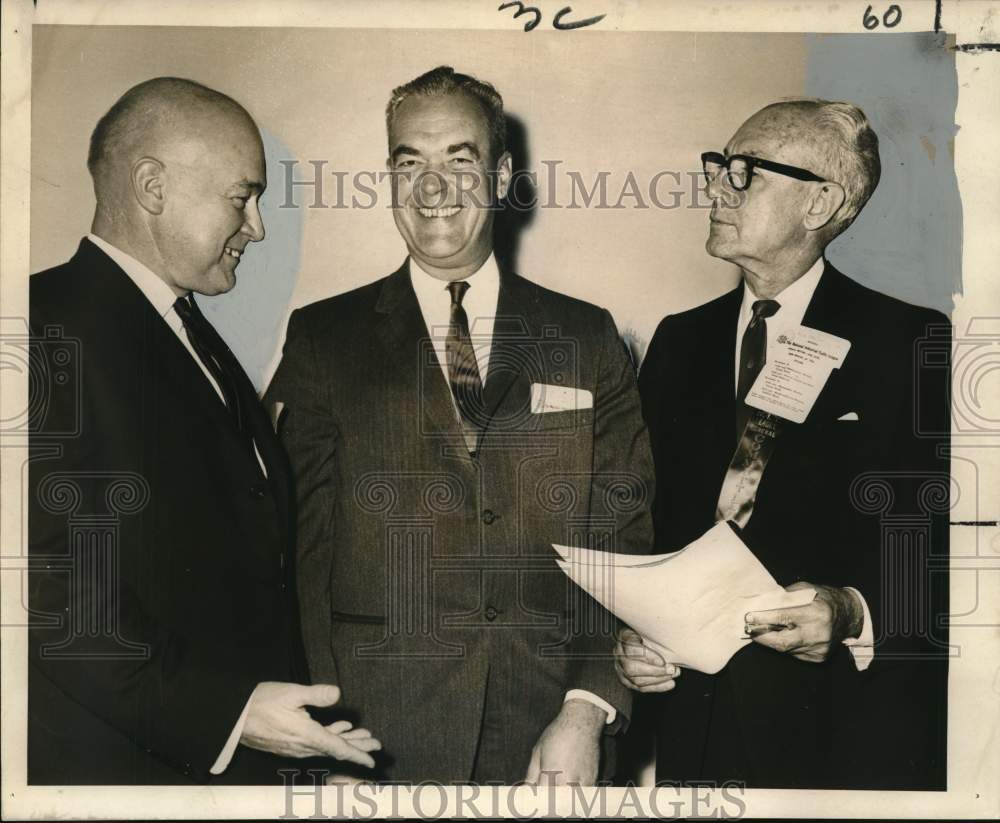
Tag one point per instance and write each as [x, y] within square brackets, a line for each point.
[752, 163]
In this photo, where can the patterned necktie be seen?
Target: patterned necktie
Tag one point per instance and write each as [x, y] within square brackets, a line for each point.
[756, 431]
[215, 354]
[753, 354]
[463, 371]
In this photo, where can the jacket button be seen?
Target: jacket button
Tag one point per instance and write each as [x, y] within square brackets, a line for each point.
[491, 614]
[258, 491]
[489, 517]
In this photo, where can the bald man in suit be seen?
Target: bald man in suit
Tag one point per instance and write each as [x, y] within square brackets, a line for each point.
[164, 645]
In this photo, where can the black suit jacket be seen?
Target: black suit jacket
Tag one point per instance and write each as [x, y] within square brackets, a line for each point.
[157, 588]
[429, 587]
[845, 503]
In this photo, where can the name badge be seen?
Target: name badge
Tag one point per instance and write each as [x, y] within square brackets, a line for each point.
[798, 365]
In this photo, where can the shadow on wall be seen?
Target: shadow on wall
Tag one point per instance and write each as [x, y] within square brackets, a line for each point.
[251, 318]
[518, 211]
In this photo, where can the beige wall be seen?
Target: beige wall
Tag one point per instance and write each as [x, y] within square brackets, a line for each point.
[604, 102]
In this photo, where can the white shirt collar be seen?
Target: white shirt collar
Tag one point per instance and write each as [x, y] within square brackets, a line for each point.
[155, 290]
[480, 299]
[794, 299]
[480, 304]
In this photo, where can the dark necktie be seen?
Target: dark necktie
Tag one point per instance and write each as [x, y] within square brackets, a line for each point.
[463, 371]
[756, 431]
[215, 354]
[753, 354]
[240, 396]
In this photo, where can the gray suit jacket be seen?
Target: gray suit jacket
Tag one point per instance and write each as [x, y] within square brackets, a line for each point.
[429, 588]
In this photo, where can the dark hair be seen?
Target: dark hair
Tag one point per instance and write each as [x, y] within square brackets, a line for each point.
[445, 80]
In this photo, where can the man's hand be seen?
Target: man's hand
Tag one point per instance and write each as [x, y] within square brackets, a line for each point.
[639, 667]
[812, 631]
[277, 722]
[567, 751]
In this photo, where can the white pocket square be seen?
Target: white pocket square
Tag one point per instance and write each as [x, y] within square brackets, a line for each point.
[848, 416]
[547, 398]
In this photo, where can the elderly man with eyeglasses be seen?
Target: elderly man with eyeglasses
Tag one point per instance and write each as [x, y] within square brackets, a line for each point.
[850, 690]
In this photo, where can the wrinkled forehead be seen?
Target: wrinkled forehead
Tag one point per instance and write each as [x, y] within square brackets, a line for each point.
[785, 136]
[431, 117]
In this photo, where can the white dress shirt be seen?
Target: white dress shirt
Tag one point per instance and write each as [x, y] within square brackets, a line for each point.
[793, 301]
[159, 294]
[480, 304]
[162, 298]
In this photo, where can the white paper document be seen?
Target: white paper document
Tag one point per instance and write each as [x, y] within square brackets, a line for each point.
[688, 605]
[798, 365]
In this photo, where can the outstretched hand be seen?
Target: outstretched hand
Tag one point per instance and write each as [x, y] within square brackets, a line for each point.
[278, 722]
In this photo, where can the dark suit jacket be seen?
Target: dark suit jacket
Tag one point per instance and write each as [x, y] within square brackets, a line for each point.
[428, 584]
[841, 503]
[157, 590]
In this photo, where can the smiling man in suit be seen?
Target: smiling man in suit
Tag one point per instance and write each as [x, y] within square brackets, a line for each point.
[446, 425]
[163, 644]
[849, 691]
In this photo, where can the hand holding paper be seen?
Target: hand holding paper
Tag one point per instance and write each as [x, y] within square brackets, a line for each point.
[690, 605]
[813, 630]
[641, 668]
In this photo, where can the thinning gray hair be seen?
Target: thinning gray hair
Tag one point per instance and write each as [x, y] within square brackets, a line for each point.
[847, 149]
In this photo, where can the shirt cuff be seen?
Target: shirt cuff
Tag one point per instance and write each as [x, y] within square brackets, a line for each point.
[222, 761]
[590, 697]
[862, 647]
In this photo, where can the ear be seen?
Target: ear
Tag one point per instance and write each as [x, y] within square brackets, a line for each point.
[823, 205]
[148, 184]
[505, 170]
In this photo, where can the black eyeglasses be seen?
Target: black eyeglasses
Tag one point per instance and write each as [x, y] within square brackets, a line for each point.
[739, 169]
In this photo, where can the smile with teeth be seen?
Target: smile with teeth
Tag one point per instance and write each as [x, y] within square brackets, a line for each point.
[450, 211]
[233, 252]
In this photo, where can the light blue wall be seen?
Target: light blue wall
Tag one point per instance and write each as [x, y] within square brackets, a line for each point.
[251, 317]
[908, 240]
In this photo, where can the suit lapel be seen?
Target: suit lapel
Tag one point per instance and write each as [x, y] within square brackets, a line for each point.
[410, 357]
[721, 390]
[518, 322]
[185, 375]
[830, 311]
[167, 357]
[125, 303]
[717, 382]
